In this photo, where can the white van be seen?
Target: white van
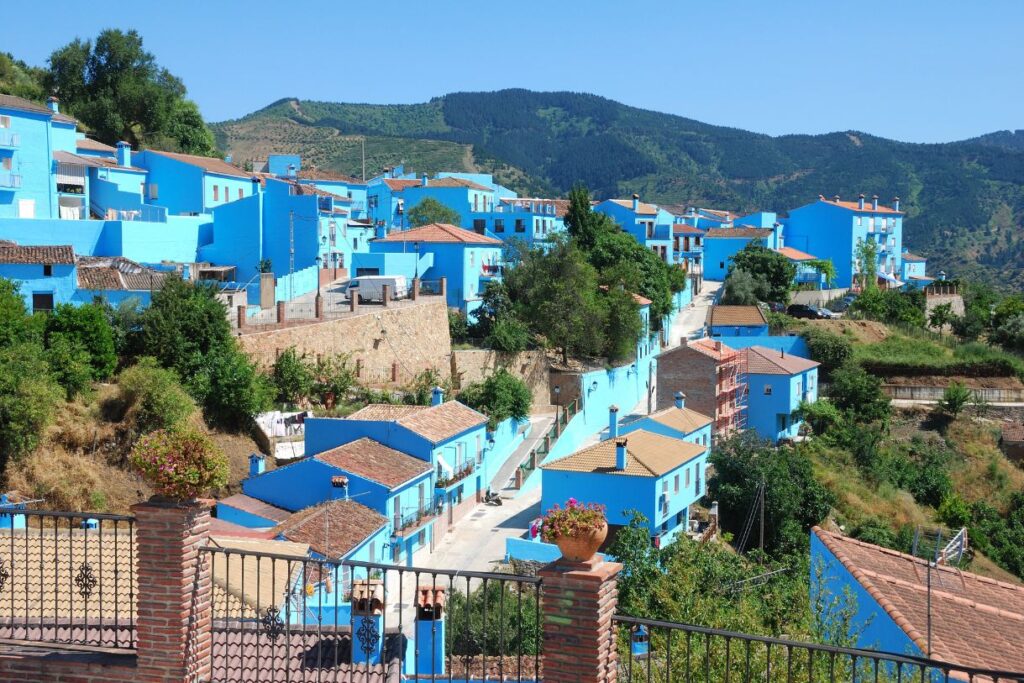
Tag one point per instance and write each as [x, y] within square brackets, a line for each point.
[371, 287]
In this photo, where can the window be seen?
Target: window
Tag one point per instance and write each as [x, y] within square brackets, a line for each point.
[767, 389]
[47, 270]
[239, 193]
[355, 243]
[42, 302]
[783, 421]
[479, 450]
[687, 477]
[5, 163]
[679, 518]
[216, 193]
[476, 199]
[373, 551]
[675, 484]
[520, 225]
[458, 453]
[499, 225]
[721, 264]
[472, 258]
[479, 226]
[5, 121]
[421, 538]
[799, 386]
[154, 191]
[858, 221]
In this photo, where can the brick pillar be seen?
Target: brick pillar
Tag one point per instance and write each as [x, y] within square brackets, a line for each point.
[359, 368]
[280, 311]
[386, 289]
[319, 305]
[353, 303]
[241, 316]
[394, 371]
[579, 639]
[415, 288]
[175, 595]
[443, 287]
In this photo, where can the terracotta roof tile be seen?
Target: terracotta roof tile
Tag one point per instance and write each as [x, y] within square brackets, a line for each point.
[647, 455]
[855, 206]
[117, 273]
[913, 258]
[640, 300]
[764, 361]
[21, 104]
[93, 145]
[711, 348]
[434, 423]
[449, 181]
[329, 176]
[399, 184]
[742, 316]
[644, 209]
[976, 621]
[257, 507]
[681, 419]
[375, 461]
[332, 529]
[684, 229]
[795, 254]
[438, 232]
[16, 254]
[208, 164]
[744, 231]
[1013, 431]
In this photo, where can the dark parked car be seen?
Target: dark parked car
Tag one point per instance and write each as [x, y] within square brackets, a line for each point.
[841, 305]
[804, 311]
[775, 307]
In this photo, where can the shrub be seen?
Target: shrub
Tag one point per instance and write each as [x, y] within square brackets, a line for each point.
[500, 396]
[955, 398]
[28, 396]
[153, 397]
[292, 376]
[954, 511]
[508, 335]
[69, 365]
[332, 376]
[858, 394]
[88, 326]
[458, 326]
[574, 520]
[181, 464]
[230, 389]
[829, 349]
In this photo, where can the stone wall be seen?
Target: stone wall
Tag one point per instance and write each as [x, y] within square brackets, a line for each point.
[475, 365]
[818, 297]
[403, 340]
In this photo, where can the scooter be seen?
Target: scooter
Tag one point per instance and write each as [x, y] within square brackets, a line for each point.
[492, 498]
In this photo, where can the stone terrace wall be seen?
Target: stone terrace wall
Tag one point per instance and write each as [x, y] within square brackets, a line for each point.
[475, 365]
[414, 337]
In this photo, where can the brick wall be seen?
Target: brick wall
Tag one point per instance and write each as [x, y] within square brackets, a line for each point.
[475, 365]
[414, 336]
[690, 372]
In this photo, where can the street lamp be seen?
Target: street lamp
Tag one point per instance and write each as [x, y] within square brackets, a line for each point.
[416, 246]
[319, 260]
[558, 390]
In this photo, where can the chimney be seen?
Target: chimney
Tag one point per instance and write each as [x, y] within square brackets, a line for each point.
[718, 346]
[680, 400]
[821, 197]
[339, 487]
[257, 464]
[291, 170]
[430, 629]
[437, 396]
[782, 353]
[54, 104]
[425, 180]
[228, 158]
[124, 154]
[613, 422]
[636, 202]
[896, 203]
[382, 230]
[835, 198]
[255, 185]
[874, 202]
[620, 454]
[860, 201]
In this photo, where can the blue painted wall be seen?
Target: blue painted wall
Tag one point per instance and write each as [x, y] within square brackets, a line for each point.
[31, 163]
[718, 253]
[739, 330]
[61, 284]
[789, 343]
[770, 414]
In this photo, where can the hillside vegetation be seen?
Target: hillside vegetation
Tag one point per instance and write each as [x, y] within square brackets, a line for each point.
[963, 199]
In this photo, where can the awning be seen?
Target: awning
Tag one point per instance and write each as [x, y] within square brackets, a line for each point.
[890, 279]
[444, 464]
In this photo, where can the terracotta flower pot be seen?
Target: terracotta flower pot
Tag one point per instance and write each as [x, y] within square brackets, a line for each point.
[582, 548]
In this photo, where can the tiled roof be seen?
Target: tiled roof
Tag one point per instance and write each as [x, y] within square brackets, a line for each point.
[95, 162]
[921, 278]
[332, 529]
[855, 206]
[745, 231]
[1013, 431]
[764, 361]
[684, 229]
[117, 273]
[742, 316]
[434, 423]
[439, 232]
[93, 145]
[329, 176]
[16, 254]
[647, 455]
[399, 184]
[644, 209]
[306, 189]
[21, 104]
[257, 507]
[975, 621]
[375, 461]
[208, 164]
[681, 419]
[913, 258]
[795, 254]
[448, 181]
[711, 348]
[561, 205]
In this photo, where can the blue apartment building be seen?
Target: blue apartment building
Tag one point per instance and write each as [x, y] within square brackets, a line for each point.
[721, 244]
[676, 421]
[832, 228]
[688, 247]
[777, 382]
[807, 277]
[649, 225]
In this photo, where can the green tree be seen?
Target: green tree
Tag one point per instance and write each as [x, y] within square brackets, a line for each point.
[293, 376]
[458, 326]
[86, 325]
[14, 317]
[231, 390]
[940, 316]
[429, 210]
[19, 79]
[622, 261]
[152, 397]
[772, 272]
[739, 289]
[499, 397]
[866, 256]
[508, 334]
[823, 267]
[583, 223]
[859, 394]
[641, 563]
[116, 88]
[70, 364]
[955, 398]
[623, 326]
[1010, 333]
[28, 396]
[829, 349]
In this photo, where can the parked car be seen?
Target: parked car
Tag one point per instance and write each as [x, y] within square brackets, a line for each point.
[775, 306]
[826, 314]
[841, 305]
[803, 311]
[371, 287]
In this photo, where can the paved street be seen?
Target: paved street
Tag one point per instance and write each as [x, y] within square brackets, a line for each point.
[691, 319]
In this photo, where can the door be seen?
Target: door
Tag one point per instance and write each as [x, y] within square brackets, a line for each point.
[42, 301]
[26, 208]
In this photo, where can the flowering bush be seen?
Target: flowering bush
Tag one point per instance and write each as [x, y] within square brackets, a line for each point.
[574, 520]
[180, 463]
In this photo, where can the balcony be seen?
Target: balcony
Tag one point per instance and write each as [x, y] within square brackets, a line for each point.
[10, 181]
[410, 522]
[9, 139]
[460, 473]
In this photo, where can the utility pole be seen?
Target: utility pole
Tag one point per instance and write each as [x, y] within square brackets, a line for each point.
[363, 141]
[762, 514]
[291, 253]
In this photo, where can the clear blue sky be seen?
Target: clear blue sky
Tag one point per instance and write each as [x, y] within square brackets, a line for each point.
[917, 70]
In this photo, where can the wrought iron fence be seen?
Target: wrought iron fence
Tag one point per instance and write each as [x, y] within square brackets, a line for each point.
[281, 617]
[652, 650]
[67, 578]
[430, 287]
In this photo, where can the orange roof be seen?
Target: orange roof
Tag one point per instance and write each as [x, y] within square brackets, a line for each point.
[736, 315]
[746, 231]
[795, 254]
[16, 254]
[712, 348]
[399, 184]
[93, 145]
[684, 229]
[449, 181]
[434, 423]
[913, 258]
[208, 164]
[332, 529]
[641, 300]
[976, 621]
[764, 361]
[438, 232]
[647, 455]
[855, 206]
[681, 419]
[645, 209]
[375, 461]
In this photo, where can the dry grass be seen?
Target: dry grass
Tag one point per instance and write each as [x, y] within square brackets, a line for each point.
[982, 472]
[861, 331]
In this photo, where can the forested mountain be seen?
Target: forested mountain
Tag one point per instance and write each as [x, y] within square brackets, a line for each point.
[964, 200]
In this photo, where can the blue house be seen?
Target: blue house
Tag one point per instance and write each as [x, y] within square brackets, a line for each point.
[657, 475]
[736, 321]
[467, 259]
[339, 530]
[529, 219]
[473, 202]
[649, 225]
[832, 229]
[186, 184]
[688, 247]
[47, 275]
[721, 244]
[903, 605]
[807, 277]
[676, 421]
[777, 382]
[385, 204]
[914, 269]
[340, 185]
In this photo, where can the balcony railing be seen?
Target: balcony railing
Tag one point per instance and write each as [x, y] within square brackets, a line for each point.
[10, 181]
[9, 139]
[412, 521]
[457, 475]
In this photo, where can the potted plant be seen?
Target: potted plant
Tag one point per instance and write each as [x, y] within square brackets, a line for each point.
[578, 529]
[180, 464]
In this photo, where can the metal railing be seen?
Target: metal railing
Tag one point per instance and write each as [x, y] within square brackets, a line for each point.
[67, 578]
[282, 617]
[412, 521]
[9, 138]
[10, 181]
[652, 650]
[430, 287]
[458, 474]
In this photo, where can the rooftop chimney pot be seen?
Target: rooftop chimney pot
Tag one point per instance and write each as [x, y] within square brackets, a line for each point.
[620, 454]
[613, 421]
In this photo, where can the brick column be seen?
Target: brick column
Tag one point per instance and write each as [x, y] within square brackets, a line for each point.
[175, 597]
[415, 288]
[386, 289]
[353, 302]
[241, 316]
[280, 311]
[443, 287]
[579, 639]
[319, 306]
